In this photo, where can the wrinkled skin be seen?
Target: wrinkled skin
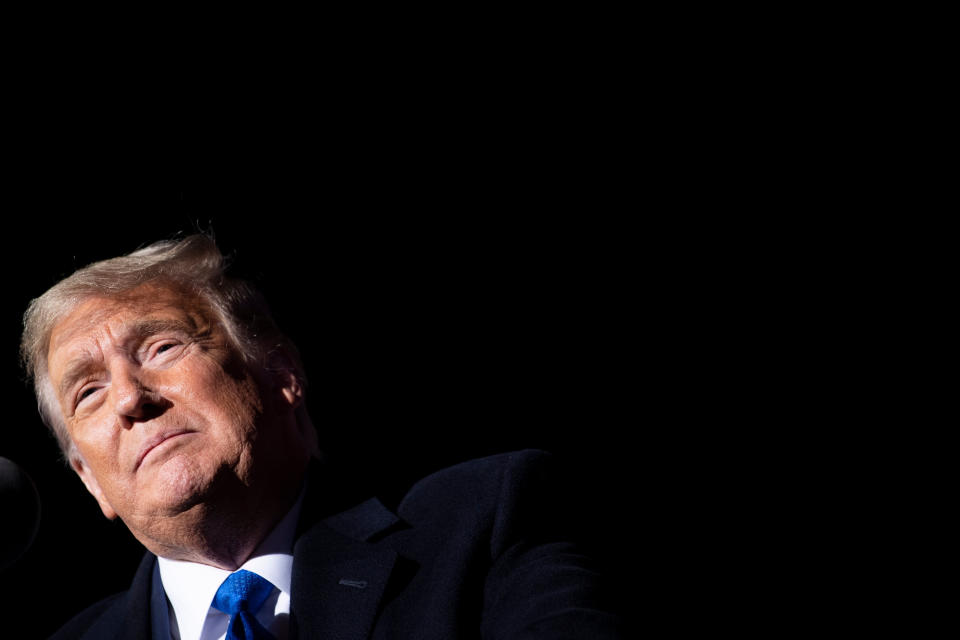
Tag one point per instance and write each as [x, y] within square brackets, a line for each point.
[198, 453]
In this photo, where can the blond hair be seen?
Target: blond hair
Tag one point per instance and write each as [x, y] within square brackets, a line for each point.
[194, 265]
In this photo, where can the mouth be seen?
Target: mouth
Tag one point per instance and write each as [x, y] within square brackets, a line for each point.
[156, 441]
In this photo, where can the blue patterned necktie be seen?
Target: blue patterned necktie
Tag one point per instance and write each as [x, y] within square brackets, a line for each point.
[241, 595]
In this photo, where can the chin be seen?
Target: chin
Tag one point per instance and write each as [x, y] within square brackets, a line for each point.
[180, 484]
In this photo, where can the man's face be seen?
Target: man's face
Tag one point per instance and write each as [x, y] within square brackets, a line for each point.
[155, 398]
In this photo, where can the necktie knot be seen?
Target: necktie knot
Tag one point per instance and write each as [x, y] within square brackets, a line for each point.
[241, 595]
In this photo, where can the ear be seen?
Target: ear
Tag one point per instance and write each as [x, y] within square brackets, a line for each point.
[92, 485]
[283, 373]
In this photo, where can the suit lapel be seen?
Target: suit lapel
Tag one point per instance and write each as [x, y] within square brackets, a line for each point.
[338, 576]
[138, 618]
[337, 584]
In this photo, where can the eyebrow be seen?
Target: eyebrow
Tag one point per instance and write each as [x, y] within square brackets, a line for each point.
[77, 369]
[151, 326]
[81, 366]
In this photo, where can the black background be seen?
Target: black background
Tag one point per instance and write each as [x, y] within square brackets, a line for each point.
[447, 306]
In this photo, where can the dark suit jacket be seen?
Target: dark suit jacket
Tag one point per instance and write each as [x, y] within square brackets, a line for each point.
[478, 550]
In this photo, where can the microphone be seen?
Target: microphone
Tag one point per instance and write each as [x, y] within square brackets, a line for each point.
[20, 503]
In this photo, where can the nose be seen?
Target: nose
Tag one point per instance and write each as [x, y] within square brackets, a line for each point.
[133, 400]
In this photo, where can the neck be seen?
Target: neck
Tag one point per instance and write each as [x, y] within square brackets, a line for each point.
[222, 532]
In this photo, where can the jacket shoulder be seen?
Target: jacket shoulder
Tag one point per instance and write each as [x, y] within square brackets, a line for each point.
[480, 475]
[481, 488]
[77, 626]
[126, 612]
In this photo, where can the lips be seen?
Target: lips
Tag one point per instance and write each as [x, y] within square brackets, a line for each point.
[157, 440]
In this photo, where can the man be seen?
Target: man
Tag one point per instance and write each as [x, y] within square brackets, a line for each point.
[180, 405]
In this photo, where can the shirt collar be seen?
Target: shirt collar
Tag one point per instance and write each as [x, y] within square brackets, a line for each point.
[190, 586]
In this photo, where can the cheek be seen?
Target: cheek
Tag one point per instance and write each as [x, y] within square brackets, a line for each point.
[98, 443]
[232, 404]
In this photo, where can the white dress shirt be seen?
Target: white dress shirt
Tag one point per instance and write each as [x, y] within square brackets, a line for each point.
[191, 586]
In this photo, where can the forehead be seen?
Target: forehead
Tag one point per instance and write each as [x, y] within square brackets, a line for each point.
[98, 314]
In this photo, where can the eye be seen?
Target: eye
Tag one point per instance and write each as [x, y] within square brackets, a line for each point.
[164, 347]
[85, 393]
